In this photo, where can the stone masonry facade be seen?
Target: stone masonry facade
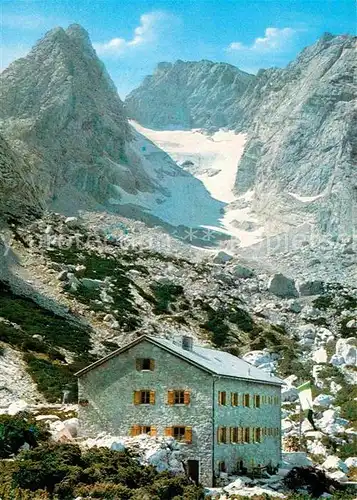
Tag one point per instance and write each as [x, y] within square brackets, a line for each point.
[107, 403]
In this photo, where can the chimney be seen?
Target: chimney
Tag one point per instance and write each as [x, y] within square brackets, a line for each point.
[187, 343]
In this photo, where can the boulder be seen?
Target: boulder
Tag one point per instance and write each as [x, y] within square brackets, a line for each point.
[47, 418]
[92, 284]
[72, 425]
[351, 462]
[320, 355]
[72, 222]
[222, 257]
[352, 323]
[286, 425]
[335, 463]
[62, 276]
[281, 286]
[294, 306]
[315, 287]
[346, 352]
[17, 407]
[308, 331]
[323, 400]
[289, 393]
[338, 475]
[106, 298]
[240, 271]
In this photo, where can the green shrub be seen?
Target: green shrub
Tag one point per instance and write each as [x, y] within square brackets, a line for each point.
[102, 267]
[107, 491]
[34, 319]
[51, 377]
[17, 430]
[165, 294]
[65, 472]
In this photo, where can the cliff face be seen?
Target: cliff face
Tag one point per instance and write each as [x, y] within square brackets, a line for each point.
[61, 107]
[187, 95]
[61, 111]
[300, 158]
[19, 196]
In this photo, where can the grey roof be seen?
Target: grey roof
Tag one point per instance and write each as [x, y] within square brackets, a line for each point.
[211, 360]
[219, 362]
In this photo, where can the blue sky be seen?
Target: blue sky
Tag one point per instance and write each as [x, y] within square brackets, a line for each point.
[132, 36]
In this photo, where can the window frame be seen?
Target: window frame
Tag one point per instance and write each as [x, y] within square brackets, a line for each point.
[145, 364]
[246, 398]
[235, 399]
[246, 433]
[145, 394]
[181, 437]
[222, 435]
[257, 401]
[222, 398]
[179, 397]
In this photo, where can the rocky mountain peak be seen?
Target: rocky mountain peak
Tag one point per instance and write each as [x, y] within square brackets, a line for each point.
[300, 163]
[187, 94]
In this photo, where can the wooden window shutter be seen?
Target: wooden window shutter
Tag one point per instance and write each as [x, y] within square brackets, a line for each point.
[187, 397]
[219, 435]
[169, 431]
[152, 397]
[152, 365]
[188, 434]
[137, 397]
[135, 430]
[138, 364]
[228, 437]
[170, 397]
[153, 431]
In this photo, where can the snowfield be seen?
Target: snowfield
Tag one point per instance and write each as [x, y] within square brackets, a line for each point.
[213, 159]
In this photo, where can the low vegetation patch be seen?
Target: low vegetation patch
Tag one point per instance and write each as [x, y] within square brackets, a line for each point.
[63, 472]
[165, 294]
[101, 267]
[45, 362]
[17, 430]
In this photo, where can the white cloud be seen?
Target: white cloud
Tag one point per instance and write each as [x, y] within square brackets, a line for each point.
[275, 40]
[148, 32]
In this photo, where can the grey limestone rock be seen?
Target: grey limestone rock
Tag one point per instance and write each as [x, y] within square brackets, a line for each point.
[281, 286]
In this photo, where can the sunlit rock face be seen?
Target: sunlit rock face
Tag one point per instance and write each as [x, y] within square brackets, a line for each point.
[61, 112]
[300, 157]
[185, 95]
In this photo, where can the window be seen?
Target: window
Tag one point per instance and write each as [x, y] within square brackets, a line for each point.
[143, 364]
[246, 400]
[256, 400]
[144, 397]
[234, 398]
[222, 466]
[222, 435]
[222, 398]
[136, 430]
[180, 433]
[257, 435]
[178, 397]
[234, 435]
[247, 435]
